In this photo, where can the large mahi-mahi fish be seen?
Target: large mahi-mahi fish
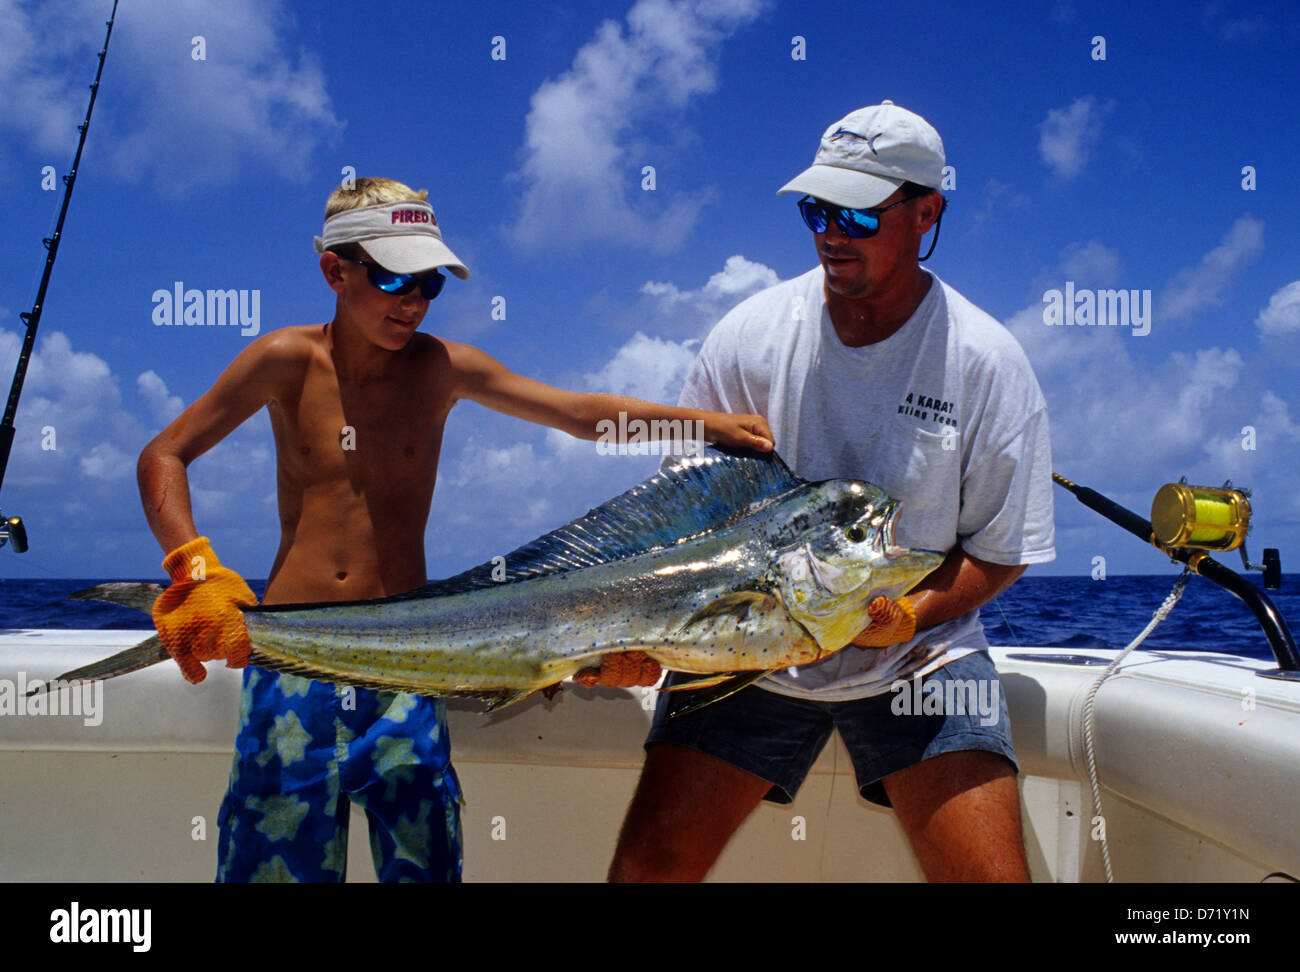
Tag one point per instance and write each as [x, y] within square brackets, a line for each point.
[719, 563]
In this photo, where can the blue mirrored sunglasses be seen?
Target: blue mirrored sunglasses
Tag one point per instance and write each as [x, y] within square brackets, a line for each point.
[401, 283]
[856, 223]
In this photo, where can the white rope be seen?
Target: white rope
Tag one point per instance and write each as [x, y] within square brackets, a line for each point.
[1161, 613]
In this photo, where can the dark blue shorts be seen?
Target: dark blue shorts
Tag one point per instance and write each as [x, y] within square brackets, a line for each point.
[777, 738]
[306, 752]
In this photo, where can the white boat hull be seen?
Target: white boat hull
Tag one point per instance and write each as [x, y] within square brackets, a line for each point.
[1198, 759]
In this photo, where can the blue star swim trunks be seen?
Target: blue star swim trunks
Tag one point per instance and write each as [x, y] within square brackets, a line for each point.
[307, 748]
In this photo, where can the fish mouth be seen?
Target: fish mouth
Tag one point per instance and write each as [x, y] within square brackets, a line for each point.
[887, 533]
[892, 550]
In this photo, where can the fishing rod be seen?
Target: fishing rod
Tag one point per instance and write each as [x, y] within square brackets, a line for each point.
[11, 528]
[1188, 522]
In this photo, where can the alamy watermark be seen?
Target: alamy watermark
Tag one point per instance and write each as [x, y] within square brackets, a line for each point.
[62, 698]
[210, 308]
[75, 924]
[657, 437]
[958, 696]
[1124, 308]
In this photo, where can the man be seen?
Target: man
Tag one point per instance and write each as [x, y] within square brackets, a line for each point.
[870, 367]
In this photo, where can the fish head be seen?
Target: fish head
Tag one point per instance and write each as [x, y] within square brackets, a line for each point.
[835, 554]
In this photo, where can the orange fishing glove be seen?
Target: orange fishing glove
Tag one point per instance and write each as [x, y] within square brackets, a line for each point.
[198, 617]
[891, 622]
[621, 670]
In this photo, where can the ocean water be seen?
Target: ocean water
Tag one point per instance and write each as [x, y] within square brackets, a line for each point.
[1075, 612]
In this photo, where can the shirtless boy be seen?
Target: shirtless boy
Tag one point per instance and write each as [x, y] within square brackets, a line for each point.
[357, 407]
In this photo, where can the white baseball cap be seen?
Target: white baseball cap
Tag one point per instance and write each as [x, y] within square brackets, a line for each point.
[866, 155]
[400, 236]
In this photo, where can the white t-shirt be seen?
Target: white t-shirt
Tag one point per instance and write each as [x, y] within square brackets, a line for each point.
[945, 415]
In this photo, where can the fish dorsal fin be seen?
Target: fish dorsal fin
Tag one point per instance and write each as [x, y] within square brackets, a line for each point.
[689, 497]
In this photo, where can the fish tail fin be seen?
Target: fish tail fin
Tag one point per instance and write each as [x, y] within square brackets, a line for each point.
[715, 689]
[132, 595]
[146, 653]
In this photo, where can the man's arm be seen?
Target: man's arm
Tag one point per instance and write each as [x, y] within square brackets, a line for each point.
[960, 584]
[482, 379]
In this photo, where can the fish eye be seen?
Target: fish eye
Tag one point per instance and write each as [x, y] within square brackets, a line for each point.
[856, 533]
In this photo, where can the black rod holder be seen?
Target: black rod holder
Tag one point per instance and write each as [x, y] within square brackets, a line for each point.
[1274, 625]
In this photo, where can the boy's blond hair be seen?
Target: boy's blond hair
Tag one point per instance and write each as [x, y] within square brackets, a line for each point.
[369, 191]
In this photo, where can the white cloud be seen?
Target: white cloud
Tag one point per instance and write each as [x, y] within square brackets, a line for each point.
[70, 405]
[172, 120]
[1113, 413]
[484, 466]
[543, 483]
[737, 279]
[238, 471]
[72, 472]
[1282, 315]
[1275, 434]
[581, 167]
[1230, 28]
[654, 367]
[547, 480]
[1091, 264]
[1265, 465]
[646, 367]
[42, 101]
[996, 197]
[694, 312]
[498, 496]
[1193, 289]
[107, 461]
[1067, 135]
[163, 405]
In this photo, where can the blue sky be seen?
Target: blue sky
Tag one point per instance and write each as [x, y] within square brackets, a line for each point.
[1123, 172]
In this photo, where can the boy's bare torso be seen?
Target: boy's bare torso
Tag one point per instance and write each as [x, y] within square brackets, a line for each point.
[357, 457]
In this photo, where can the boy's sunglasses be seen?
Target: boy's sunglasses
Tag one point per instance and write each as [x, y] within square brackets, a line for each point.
[401, 283]
[856, 223]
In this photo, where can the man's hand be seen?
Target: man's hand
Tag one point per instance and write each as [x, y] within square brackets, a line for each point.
[738, 431]
[198, 617]
[621, 670]
[891, 623]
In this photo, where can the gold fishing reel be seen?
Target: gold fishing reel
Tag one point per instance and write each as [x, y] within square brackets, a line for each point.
[1200, 517]
[1208, 518]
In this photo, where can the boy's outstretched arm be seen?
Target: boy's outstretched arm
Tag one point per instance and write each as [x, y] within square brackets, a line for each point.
[483, 379]
[198, 616]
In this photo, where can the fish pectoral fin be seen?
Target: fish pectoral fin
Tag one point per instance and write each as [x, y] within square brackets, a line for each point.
[723, 686]
[499, 700]
[737, 604]
[706, 682]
